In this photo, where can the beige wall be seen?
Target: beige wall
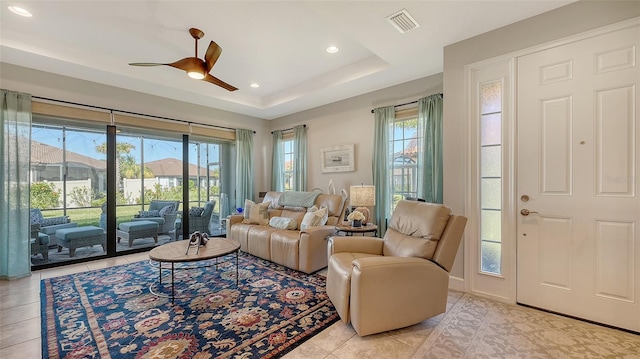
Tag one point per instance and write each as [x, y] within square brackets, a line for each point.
[572, 19]
[351, 122]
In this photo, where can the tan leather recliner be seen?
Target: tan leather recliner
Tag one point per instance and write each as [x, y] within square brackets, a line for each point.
[380, 284]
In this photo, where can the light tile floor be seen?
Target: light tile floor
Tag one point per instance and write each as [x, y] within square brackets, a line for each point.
[20, 324]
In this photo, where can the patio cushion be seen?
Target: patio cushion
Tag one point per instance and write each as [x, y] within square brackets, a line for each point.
[55, 227]
[158, 220]
[42, 239]
[138, 225]
[67, 234]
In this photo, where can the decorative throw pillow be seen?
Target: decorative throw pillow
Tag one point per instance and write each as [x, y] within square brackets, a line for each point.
[170, 208]
[326, 214]
[149, 214]
[55, 220]
[36, 217]
[315, 219]
[196, 211]
[256, 213]
[283, 223]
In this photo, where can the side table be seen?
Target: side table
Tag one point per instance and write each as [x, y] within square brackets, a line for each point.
[349, 231]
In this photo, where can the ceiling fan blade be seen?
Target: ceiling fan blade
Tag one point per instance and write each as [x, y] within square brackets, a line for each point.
[212, 55]
[145, 64]
[188, 63]
[217, 81]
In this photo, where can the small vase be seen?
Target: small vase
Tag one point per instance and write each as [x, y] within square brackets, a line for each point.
[356, 223]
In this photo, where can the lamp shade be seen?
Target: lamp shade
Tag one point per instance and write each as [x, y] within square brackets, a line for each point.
[362, 195]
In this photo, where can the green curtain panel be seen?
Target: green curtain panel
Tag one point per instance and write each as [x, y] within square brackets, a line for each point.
[276, 162]
[430, 123]
[382, 157]
[227, 178]
[244, 169]
[14, 211]
[300, 158]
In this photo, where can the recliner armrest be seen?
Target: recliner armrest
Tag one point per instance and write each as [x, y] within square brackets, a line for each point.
[234, 218]
[325, 230]
[369, 245]
[389, 262]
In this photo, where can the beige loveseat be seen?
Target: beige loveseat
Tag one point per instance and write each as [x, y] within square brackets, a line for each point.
[304, 250]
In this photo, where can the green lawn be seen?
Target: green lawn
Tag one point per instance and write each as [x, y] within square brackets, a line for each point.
[91, 216]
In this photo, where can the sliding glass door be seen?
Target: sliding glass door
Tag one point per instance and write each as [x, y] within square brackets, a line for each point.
[69, 189]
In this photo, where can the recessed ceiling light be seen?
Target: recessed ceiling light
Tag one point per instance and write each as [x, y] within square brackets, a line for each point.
[254, 85]
[19, 11]
[332, 49]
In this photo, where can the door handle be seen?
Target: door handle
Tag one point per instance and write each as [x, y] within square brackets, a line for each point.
[526, 212]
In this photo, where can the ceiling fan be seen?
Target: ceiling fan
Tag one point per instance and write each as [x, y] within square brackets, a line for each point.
[195, 67]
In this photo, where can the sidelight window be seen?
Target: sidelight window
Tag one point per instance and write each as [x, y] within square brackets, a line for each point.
[491, 176]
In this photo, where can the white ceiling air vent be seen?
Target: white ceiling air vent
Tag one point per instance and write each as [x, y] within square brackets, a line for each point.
[403, 21]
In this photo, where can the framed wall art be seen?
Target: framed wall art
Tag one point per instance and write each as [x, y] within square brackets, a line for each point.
[337, 159]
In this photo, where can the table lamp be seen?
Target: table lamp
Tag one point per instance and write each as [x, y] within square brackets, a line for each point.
[362, 197]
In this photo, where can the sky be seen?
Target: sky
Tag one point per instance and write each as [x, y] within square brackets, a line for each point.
[85, 143]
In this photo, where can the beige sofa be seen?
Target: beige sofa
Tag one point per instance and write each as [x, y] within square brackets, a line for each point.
[303, 250]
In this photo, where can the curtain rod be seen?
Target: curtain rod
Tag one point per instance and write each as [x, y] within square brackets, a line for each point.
[412, 102]
[288, 129]
[132, 113]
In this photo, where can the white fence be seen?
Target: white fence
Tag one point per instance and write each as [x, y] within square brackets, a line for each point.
[71, 185]
[132, 187]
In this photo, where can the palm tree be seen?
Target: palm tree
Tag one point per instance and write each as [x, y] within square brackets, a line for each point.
[130, 169]
[126, 166]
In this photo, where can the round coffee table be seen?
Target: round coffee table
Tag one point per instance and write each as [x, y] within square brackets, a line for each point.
[180, 252]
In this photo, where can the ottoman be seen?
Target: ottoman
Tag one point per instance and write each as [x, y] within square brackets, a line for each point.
[138, 229]
[77, 237]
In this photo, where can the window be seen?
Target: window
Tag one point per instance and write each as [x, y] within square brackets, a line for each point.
[491, 176]
[289, 159]
[287, 162]
[404, 144]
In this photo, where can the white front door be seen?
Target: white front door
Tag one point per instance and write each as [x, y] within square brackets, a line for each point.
[578, 249]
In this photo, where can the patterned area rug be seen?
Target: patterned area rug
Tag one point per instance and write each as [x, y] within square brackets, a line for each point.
[111, 313]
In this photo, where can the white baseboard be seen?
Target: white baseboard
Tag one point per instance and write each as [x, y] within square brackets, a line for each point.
[456, 283]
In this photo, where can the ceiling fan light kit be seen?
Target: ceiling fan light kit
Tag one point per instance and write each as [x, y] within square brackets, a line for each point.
[195, 67]
[195, 75]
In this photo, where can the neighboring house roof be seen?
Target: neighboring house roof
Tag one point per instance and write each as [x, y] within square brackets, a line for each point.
[172, 167]
[410, 151]
[43, 154]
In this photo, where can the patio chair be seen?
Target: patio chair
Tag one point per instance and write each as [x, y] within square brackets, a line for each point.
[39, 242]
[200, 219]
[50, 225]
[162, 212]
